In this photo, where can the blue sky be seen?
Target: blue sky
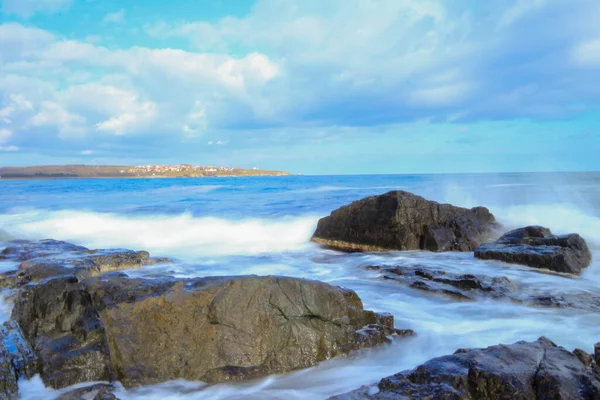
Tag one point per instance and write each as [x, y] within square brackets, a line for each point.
[313, 87]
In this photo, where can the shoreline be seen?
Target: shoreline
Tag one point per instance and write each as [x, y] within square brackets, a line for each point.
[45, 178]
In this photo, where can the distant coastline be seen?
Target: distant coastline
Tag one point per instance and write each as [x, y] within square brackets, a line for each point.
[119, 171]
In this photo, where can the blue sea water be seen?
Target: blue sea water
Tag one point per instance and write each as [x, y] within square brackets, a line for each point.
[262, 225]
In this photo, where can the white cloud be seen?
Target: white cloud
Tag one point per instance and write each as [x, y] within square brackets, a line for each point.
[54, 114]
[587, 53]
[441, 95]
[5, 134]
[28, 8]
[87, 152]
[117, 17]
[9, 148]
[520, 9]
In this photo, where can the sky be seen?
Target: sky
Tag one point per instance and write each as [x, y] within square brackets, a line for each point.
[306, 86]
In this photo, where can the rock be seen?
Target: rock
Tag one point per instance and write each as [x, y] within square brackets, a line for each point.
[14, 345]
[17, 360]
[584, 357]
[536, 247]
[144, 331]
[100, 391]
[597, 354]
[524, 370]
[65, 331]
[457, 286]
[9, 388]
[22, 250]
[400, 220]
[50, 258]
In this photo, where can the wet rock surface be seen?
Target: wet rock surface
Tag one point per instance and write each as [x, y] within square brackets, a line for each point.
[100, 391]
[537, 370]
[17, 360]
[470, 287]
[142, 331]
[458, 286]
[400, 220]
[537, 247]
[45, 259]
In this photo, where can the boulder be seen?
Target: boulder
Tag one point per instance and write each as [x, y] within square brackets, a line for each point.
[537, 247]
[400, 220]
[145, 331]
[521, 371]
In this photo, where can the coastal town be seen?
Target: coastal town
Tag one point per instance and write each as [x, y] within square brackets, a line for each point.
[140, 171]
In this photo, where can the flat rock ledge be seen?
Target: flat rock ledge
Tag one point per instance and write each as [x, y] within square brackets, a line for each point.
[537, 247]
[43, 259]
[538, 370]
[399, 220]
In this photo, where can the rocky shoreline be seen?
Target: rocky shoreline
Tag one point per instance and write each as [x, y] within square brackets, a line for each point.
[77, 318]
[80, 316]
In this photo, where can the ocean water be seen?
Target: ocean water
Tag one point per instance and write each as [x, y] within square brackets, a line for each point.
[236, 226]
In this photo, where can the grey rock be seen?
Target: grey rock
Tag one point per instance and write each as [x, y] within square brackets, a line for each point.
[400, 220]
[537, 370]
[143, 331]
[100, 391]
[536, 247]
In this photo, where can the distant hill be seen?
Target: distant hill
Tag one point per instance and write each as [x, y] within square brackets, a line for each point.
[116, 171]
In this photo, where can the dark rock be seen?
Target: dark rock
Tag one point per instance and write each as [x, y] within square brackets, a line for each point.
[210, 329]
[20, 250]
[521, 371]
[400, 220]
[65, 331]
[597, 354]
[17, 360]
[457, 286]
[14, 345]
[100, 391]
[9, 388]
[536, 247]
[584, 357]
[46, 259]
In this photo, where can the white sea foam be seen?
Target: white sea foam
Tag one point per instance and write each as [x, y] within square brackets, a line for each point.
[181, 235]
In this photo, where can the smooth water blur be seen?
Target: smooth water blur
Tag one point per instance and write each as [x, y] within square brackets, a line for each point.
[230, 226]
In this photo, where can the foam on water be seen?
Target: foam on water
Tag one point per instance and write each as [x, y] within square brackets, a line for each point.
[182, 236]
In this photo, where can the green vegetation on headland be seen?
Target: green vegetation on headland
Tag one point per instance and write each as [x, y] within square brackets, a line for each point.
[143, 171]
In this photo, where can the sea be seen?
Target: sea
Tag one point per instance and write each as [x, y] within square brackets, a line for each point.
[263, 226]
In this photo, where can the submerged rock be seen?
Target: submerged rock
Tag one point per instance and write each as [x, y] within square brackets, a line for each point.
[536, 247]
[400, 220]
[524, 370]
[143, 331]
[457, 286]
[100, 391]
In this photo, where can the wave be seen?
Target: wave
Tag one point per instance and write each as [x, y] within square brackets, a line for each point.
[560, 218]
[180, 236]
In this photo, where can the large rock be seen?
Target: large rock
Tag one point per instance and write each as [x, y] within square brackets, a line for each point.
[400, 220]
[537, 247]
[537, 370]
[144, 331]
